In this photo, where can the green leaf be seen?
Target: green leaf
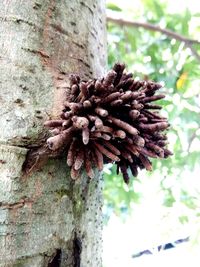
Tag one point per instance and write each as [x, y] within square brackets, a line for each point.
[113, 7]
[185, 22]
[158, 8]
[183, 219]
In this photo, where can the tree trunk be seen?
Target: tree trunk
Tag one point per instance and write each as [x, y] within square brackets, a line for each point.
[46, 219]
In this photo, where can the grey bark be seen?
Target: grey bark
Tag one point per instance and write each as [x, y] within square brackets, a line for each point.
[45, 212]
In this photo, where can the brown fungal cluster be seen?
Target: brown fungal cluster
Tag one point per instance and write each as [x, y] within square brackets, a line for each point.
[113, 119]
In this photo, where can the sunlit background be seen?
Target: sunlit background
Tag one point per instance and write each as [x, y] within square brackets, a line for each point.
[162, 207]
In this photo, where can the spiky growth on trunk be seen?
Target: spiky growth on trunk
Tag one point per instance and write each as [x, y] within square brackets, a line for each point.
[110, 120]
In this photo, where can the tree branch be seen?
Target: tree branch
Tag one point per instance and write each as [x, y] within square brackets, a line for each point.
[193, 50]
[151, 27]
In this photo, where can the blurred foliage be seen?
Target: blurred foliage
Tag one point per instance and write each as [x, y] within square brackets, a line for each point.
[155, 56]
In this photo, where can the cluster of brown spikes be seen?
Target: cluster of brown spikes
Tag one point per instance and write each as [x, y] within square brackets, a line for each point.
[110, 120]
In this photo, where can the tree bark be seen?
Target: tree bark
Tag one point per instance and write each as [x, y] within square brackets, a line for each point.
[46, 219]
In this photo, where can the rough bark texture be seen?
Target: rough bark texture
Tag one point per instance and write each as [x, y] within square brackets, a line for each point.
[45, 217]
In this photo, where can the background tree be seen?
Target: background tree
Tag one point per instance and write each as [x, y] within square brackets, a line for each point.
[45, 217]
[161, 206]
[159, 41]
